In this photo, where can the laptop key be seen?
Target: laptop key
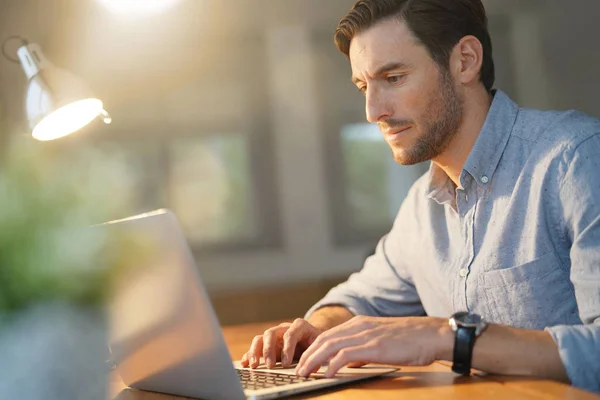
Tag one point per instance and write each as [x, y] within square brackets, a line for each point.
[252, 379]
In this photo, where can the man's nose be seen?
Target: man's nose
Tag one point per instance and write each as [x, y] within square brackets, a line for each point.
[377, 108]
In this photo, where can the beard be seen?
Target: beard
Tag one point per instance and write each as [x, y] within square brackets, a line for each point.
[443, 116]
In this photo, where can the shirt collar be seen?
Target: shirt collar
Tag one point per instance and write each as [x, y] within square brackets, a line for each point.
[493, 138]
[441, 188]
[485, 155]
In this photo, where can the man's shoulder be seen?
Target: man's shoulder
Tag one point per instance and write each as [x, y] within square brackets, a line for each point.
[562, 130]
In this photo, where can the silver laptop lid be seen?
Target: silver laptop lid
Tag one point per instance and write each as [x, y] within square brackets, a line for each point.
[165, 336]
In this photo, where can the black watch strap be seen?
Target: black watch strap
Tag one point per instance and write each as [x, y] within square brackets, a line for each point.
[464, 340]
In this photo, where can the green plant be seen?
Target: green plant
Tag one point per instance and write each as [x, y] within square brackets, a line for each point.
[48, 250]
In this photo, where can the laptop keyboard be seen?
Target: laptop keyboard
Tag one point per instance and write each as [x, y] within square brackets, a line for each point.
[252, 379]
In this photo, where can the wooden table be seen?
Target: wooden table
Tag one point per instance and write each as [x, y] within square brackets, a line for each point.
[436, 381]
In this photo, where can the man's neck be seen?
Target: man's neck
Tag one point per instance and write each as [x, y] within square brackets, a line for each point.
[452, 160]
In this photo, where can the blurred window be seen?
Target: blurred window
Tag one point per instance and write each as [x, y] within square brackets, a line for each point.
[210, 187]
[199, 142]
[375, 185]
[211, 181]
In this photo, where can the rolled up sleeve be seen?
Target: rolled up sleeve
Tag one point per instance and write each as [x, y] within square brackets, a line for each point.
[579, 345]
[579, 350]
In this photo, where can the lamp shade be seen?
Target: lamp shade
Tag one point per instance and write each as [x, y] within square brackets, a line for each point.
[58, 102]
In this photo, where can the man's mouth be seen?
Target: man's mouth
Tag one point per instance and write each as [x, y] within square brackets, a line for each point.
[393, 133]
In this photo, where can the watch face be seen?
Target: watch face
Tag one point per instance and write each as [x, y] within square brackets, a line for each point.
[468, 319]
[471, 319]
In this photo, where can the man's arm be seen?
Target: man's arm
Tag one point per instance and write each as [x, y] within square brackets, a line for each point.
[329, 316]
[511, 351]
[579, 346]
[423, 340]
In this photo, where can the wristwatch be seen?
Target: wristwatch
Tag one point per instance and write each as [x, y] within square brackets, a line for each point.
[466, 327]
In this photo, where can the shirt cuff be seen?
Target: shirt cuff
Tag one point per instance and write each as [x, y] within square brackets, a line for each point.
[579, 350]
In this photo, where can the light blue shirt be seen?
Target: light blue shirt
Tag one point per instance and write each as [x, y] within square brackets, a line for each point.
[517, 242]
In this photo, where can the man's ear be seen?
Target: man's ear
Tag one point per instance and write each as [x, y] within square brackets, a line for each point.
[466, 60]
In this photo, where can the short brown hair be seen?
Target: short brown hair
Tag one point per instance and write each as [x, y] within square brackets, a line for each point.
[437, 24]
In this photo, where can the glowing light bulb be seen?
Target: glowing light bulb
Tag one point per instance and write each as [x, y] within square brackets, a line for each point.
[137, 6]
[68, 119]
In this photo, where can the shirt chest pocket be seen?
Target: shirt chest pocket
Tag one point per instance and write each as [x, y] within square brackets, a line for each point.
[533, 295]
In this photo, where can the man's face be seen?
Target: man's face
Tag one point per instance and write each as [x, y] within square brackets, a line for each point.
[415, 104]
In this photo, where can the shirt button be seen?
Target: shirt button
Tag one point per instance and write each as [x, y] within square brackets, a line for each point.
[485, 179]
[463, 272]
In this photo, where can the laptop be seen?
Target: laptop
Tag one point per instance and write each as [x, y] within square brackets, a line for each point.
[165, 336]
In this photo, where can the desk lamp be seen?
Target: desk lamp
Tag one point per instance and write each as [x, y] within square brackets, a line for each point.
[58, 102]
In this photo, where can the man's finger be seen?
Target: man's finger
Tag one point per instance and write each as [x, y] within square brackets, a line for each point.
[329, 350]
[244, 361]
[290, 340]
[255, 351]
[354, 326]
[363, 353]
[272, 344]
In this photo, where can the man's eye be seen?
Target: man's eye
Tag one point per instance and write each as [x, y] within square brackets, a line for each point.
[395, 78]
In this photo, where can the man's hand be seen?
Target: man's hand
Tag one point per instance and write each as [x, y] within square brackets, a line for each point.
[281, 343]
[362, 340]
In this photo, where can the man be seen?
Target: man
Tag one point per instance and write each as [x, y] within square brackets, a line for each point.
[504, 226]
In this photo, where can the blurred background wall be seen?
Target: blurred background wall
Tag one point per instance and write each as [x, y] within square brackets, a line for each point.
[240, 116]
